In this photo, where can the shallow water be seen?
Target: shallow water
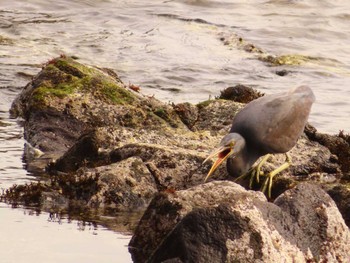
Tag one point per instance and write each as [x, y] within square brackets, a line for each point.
[30, 237]
[172, 49]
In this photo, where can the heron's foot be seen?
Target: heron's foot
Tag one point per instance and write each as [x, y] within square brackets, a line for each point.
[269, 177]
[243, 176]
[255, 172]
[251, 172]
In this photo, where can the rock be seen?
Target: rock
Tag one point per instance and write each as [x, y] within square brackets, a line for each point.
[83, 151]
[291, 59]
[86, 125]
[321, 229]
[222, 222]
[106, 149]
[84, 120]
[188, 113]
[282, 72]
[338, 145]
[240, 93]
[232, 40]
[122, 185]
[341, 195]
[216, 116]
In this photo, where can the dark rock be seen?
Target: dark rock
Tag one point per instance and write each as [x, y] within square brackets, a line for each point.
[27, 194]
[337, 144]
[85, 150]
[282, 72]
[54, 201]
[222, 222]
[240, 93]
[52, 131]
[199, 237]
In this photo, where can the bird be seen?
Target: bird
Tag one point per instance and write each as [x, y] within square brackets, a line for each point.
[271, 124]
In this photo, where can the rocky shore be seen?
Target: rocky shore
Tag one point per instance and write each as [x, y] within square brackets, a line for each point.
[100, 145]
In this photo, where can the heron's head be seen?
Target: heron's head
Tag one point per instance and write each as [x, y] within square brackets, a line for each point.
[230, 145]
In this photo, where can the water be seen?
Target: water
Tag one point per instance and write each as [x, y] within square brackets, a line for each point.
[172, 49]
[30, 237]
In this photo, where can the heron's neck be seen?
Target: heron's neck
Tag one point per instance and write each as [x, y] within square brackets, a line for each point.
[241, 163]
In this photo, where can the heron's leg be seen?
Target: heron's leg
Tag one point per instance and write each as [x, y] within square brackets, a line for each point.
[255, 171]
[249, 172]
[271, 175]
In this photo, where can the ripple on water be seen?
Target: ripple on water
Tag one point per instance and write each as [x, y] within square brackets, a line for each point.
[11, 144]
[28, 236]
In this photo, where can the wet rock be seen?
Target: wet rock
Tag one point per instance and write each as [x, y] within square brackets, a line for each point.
[106, 146]
[234, 41]
[27, 194]
[338, 145]
[240, 93]
[292, 59]
[282, 72]
[82, 119]
[85, 150]
[54, 201]
[222, 222]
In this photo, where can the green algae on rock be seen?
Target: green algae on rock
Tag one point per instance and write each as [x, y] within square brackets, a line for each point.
[64, 77]
[6, 41]
[293, 59]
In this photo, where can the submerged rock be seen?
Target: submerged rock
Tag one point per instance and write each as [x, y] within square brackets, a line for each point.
[222, 222]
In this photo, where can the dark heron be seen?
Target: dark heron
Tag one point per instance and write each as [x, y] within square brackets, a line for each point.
[268, 125]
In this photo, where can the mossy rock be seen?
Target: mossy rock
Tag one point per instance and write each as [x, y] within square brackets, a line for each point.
[64, 77]
[6, 41]
[95, 96]
[293, 59]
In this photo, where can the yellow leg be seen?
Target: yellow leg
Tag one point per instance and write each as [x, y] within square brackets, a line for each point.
[271, 175]
[255, 171]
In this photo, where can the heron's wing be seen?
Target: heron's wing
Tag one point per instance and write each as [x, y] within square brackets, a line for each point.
[275, 122]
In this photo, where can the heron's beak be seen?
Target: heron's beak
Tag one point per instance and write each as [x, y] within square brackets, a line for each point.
[222, 153]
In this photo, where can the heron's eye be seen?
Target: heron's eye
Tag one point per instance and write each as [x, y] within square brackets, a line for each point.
[224, 153]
